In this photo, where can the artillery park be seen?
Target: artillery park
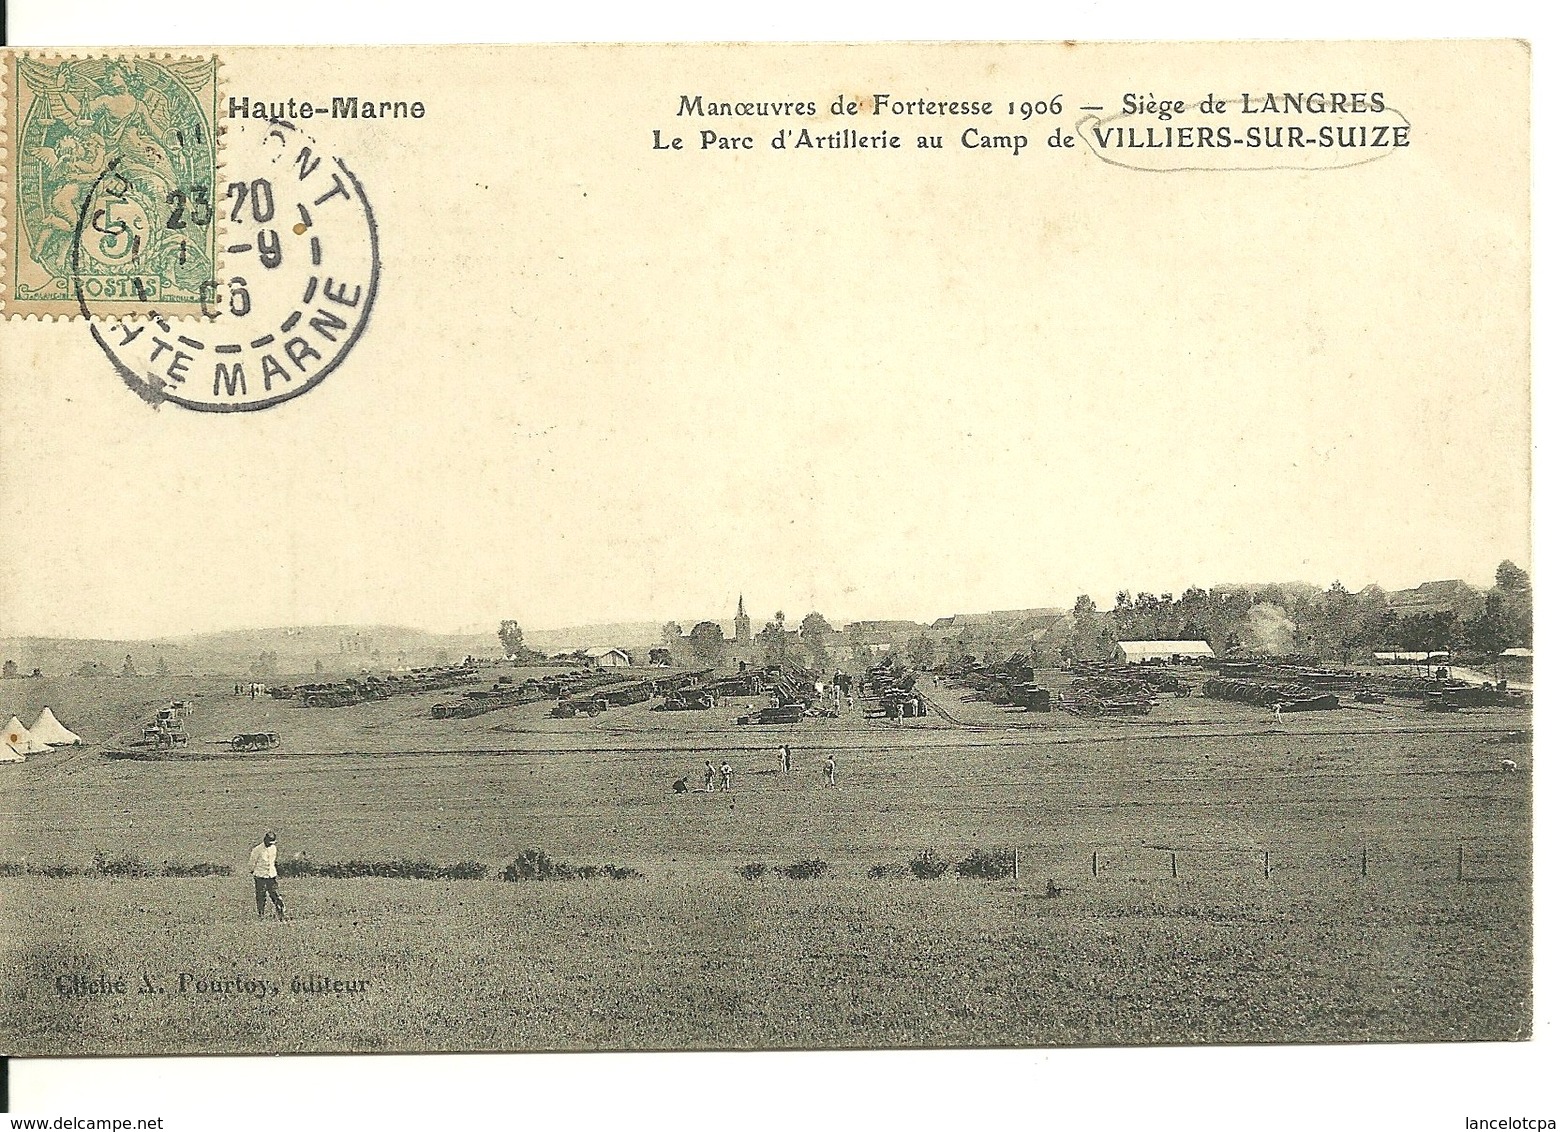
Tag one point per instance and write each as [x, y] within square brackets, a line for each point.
[1151, 860]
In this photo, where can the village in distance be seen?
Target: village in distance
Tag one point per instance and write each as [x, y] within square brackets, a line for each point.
[1482, 627]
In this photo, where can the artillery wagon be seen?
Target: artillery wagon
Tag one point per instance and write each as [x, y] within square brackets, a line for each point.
[697, 698]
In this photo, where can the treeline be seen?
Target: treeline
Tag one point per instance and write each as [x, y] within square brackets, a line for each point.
[1333, 624]
[706, 647]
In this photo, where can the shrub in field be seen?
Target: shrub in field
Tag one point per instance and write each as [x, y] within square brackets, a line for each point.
[406, 868]
[805, 868]
[12, 869]
[55, 871]
[531, 864]
[409, 869]
[881, 872]
[927, 866]
[195, 869]
[341, 870]
[125, 865]
[753, 871]
[992, 864]
[1052, 890]
[403, 869]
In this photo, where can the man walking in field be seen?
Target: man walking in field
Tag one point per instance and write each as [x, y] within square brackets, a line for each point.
[263, 868]
[708, 777]
[785, 759]
[829, 770]
[726, 772]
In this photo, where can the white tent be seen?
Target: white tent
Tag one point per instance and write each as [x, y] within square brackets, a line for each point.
[47, 729]
[19, 739]
[1140, 652]
[9, 754]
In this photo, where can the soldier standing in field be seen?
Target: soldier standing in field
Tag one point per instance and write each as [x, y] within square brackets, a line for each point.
[263, 867]
[726, 772]
[708, 777]
[829, 770]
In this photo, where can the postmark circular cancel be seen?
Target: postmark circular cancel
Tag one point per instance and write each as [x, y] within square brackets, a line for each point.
[300, 264]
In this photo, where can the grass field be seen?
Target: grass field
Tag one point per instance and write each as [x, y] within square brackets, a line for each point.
[691, 954]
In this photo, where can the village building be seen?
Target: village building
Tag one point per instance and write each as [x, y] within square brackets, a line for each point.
[1451, 595]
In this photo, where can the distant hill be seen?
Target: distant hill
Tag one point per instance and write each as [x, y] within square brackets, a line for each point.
[297, 650]
[245, 652]
[344, 649]
[1292, 589]
[625, 634]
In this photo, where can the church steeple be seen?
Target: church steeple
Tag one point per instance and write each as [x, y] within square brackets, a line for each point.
[741, 624]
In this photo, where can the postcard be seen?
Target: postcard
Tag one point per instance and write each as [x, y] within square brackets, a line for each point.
[765, 547]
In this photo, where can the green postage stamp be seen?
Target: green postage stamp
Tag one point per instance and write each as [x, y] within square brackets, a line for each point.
[110, 183]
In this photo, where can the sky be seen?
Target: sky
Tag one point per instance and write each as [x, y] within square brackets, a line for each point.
[604, 384]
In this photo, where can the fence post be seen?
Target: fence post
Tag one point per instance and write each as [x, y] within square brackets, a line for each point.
[1459, 861]
[1362, 860]
[1095, 862]
[1173, 871]
[1016, 864]
[1266, 863]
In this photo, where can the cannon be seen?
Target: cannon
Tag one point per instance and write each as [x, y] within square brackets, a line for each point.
[689, 699]
[784, 713]
[254, 741]
[570, 709]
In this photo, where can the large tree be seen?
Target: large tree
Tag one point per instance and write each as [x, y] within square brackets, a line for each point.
[1333, 627]
[1511, 578]
[921, 652]
[511, 638]
[706, 643]
[1516, 606]
[774, 642]
[812, 634]
[1089, 631]
[1427, 632]
[1490, 632]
